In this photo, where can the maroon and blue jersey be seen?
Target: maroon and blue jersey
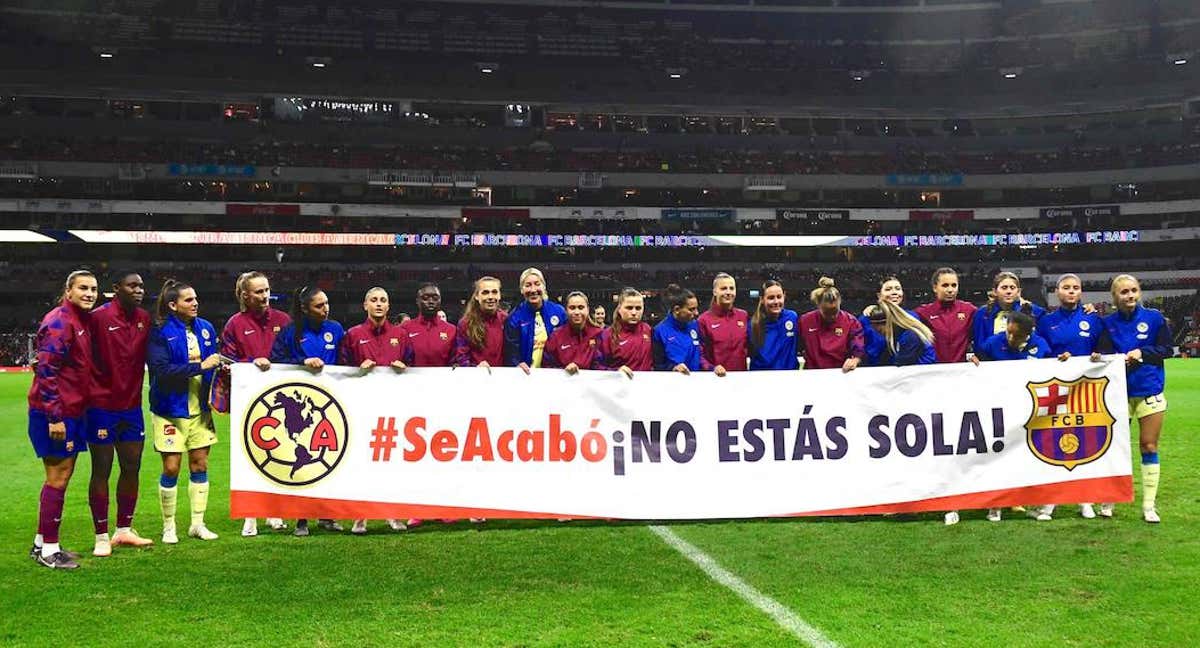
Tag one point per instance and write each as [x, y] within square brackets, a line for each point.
[385, 344]
[62, 382]
[630, 347]
[492, 351]
[828, 345]
[119, 339]
[723, 337]
[566, 345]
[430, 342]
[951, 324]
[248, 336]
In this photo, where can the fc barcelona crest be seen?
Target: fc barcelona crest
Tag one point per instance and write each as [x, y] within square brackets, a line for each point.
[1070, 424]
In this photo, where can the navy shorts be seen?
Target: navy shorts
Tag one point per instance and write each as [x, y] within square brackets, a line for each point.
[105, 427]
[72, 444]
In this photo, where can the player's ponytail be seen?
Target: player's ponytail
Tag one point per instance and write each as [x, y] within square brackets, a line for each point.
[825, 293]
[299, 310]
[676, 297]
[167, 296]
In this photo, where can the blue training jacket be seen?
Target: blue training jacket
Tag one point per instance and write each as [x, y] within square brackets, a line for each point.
[322, 343]
[874, 343]
[912, 350]
[170, 370]
[1071, 330]
[778, 350]
[676, 343]
[519, 328]
[984, 321]
[1145, 329]
[996, 348]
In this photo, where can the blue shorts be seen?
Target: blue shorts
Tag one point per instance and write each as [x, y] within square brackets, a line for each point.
[105, 427]
[39, 435]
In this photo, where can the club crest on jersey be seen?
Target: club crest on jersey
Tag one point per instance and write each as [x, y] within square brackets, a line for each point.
[443, 336]
[328, 336]
[962, 316]
[741, 324]
[789, 325]
[102, 434]
[1083, 325]
[554, 320]
[695, 334]
[1070, 424]
[141, 326]
[394, 341]
[838, 331]
[295, 434]
[1142, 327]
[274, 329]
[204, 333]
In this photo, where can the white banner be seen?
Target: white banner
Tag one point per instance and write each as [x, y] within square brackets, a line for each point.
[436, 443]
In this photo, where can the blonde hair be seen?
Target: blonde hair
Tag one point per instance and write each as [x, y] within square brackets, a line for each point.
[719, 276]
[537, 273]
[999, 279]
[1112, 287]
[73, 276]
[825, 292]
[896, 317]
[240, 286]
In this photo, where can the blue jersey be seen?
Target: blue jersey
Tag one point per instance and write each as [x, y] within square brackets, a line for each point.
[996, 348]
[1145, 329]
[171, 367]
[520, 326]
[778, 350]
[1071, 331]
[674, 343]
[874, 342]
[983, 326]
[912, 350]
[322, 342]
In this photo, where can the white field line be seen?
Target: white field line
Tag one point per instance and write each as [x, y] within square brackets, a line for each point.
[772, 608]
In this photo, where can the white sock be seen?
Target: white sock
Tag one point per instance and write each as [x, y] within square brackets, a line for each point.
[101, 536]
[49, 549]
[124, 530]
[37, 540]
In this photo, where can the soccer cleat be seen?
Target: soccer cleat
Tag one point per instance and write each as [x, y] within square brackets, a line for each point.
[330, 525]
[1018, 509]
[1151, 515]
[60, 560]
[250, 528]
[414, 523]
[36, 551]
[301, 529]
[130, 538]
[1086, 511]
[1106, 510]
[359, 528]
[169, 536]
[993, 515]
[1042, 513]
[103, 546]
[200, 531]
[951, 518]
[276, 524]
[478, 520]
[396, 525]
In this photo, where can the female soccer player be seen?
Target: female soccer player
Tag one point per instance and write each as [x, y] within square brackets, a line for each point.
[57, 400]
[119, 331]
[625, 346]
[1005, 298]
[182, 354]
[723, 328]
[311, 340]
[248, 337]
[891, 291]
[599, 314]
[1017, 342]
[948, 317]
[573, 347]
[480, 336]
[1070, 331]
[829, 336]
[375, 342]
[1143, 335]
[676, 339]
[531, 323]
[772, 335]
[430, 338]
[906, 341]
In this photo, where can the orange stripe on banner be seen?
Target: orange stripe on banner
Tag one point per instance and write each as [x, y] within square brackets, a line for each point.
[244, 504]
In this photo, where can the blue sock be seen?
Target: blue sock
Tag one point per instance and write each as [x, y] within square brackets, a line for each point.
[168, 482]
[1149, 458]
[200, 477]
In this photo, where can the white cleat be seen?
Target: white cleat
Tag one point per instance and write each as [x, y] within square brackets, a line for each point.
[993, 515]
[359, 528]
[276, 524]
[1151, 515]
[130, 538]
[250, 528]
[200, 531]
[1042, 513]
[396, 525]
[951, 518]
[103, 546]
[1106, 510]
[1087, 511]
[169, 536]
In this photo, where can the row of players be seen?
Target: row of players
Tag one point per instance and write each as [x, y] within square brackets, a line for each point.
[86, 393]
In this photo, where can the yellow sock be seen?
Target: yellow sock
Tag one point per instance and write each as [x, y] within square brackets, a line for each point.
[1149, 485]
[166, 498]
[198, 496]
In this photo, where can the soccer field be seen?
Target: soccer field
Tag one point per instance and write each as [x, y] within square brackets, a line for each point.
[904, 580]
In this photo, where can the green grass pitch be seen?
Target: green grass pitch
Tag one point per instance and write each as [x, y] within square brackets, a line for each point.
[861, 581]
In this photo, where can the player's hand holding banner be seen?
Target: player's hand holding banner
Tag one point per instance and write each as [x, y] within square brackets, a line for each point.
[434, 443]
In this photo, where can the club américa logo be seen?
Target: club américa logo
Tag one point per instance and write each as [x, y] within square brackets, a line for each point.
[295, 433]
[1070, 424]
